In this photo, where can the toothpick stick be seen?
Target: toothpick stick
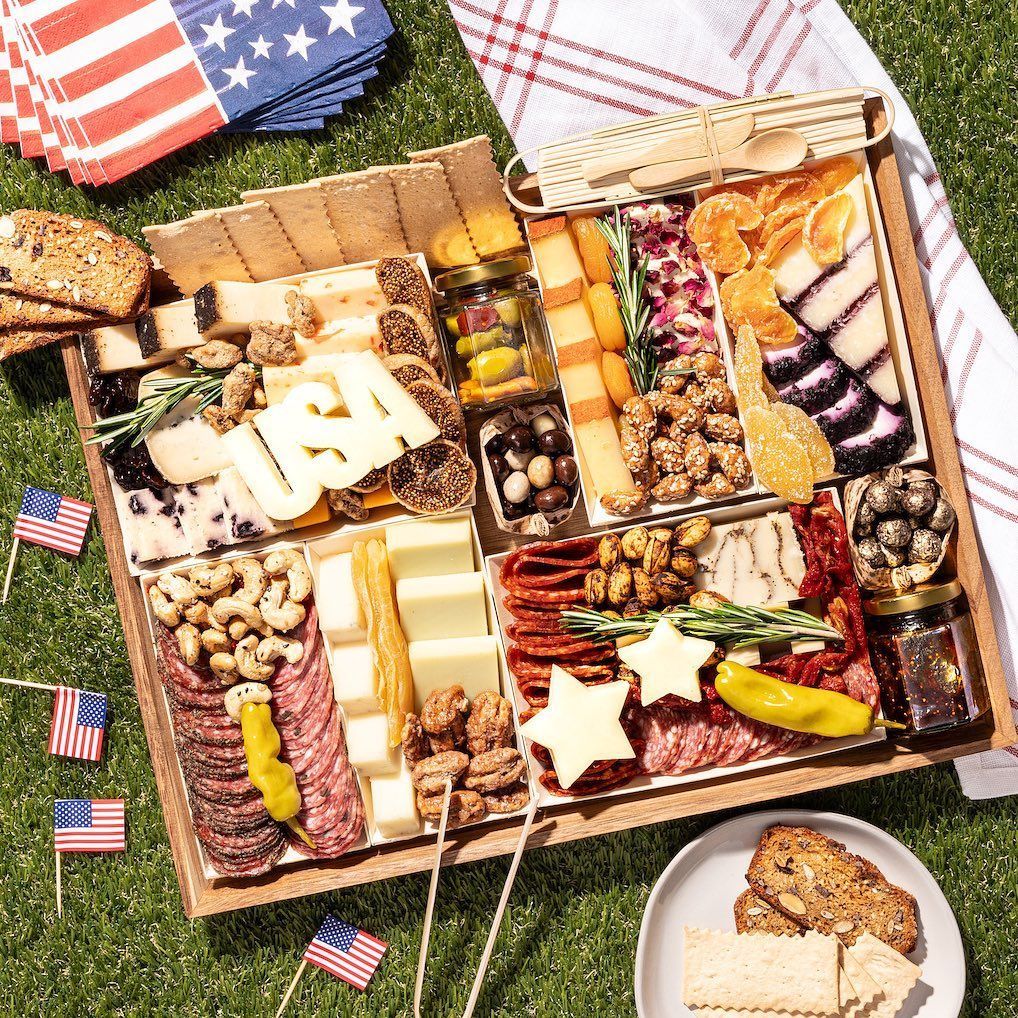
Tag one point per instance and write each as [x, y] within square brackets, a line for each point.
[496, 922]
[292, 987]
[29, 685]
[10, 569]
[60, 890]
[422, 961]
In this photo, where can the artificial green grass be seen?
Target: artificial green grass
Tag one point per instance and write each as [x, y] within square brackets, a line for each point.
[569, 938]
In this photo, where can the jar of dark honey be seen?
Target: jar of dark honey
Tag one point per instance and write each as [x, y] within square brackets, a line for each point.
[926, 657]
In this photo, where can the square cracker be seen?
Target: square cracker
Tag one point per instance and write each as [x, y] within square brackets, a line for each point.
[196, 251]
[896, 975]
[866, 988]
[431, 219]
[477, 187]
[760, 972]
[260, 240]
[300, 209]
[364, 213]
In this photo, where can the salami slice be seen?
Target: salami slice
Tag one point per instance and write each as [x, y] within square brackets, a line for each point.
[253, 868]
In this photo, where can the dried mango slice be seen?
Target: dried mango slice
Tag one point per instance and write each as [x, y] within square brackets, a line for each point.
[823, 234]
[835, 173]
[593, 250]
[779, 239]
[749, 298]
[804, 429]
[748, 369]
[604, 309]
[714, 227]
[785, 188]
[780, 463]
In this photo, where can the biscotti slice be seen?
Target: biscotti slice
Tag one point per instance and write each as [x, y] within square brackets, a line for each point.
[820, 885]
[754, 915]
[18, 312]
[402, 282]
[76, 261]
[405, 330]
[431, 219]
[364, 213]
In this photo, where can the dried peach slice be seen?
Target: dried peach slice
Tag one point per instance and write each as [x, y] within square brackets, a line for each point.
[835, 173]
[823, 234]
[779, 239]
[785, 188]
[804, 429]
[780, 463]
[749, 298]
[714, 227]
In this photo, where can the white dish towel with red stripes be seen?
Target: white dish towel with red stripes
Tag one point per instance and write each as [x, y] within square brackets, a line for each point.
[558, 67]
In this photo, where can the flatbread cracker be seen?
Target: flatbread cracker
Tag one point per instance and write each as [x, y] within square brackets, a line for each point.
[300, 209]
[866, 988]
[896, 975]
[431, 219]
[196, 251]
[760, 972]
[364, 213]
[477, 187]
[260, 240]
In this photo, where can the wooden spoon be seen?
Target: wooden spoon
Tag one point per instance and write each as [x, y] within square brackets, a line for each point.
[770, 152]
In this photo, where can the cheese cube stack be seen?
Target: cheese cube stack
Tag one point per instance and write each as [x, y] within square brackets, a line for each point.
[429, 548]
[339, 612]
[367, 742]
[393, 804]
[442, 607]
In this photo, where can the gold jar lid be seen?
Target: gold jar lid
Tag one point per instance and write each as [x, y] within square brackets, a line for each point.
[926, 595]
[485, 272]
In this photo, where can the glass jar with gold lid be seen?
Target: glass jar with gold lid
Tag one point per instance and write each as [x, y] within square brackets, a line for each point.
[926, 657]
[496, 333]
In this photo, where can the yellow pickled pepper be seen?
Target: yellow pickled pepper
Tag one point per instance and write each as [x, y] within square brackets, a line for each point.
[273, 778]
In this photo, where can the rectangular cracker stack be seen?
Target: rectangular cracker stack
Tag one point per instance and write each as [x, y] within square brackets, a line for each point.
[431, 218]
[365, 214]
[300, 209]
[196, 250]
[261, 242]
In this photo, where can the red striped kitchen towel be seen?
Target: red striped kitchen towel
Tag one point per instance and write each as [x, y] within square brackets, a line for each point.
[557, 67]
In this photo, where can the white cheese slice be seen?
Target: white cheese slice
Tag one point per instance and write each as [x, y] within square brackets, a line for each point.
[246, 518]
[838, 292]
[170, 327]
[350, 293]
[152, 530]
[394, 804]
[429, 548]
[223, 309]
[668, 663]
[279, 381]
[115, 348]
[354, 679]
[367, 743]
[437, 607]
[344, 335]
[202, 515]
[470, 661]
[339, 611]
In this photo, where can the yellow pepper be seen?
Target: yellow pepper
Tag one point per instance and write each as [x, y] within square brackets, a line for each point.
[273, 778]
[796, 708]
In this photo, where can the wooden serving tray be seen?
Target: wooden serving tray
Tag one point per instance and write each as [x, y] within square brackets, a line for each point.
[204, 896]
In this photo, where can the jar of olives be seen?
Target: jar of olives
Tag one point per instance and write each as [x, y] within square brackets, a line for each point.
[496, 333]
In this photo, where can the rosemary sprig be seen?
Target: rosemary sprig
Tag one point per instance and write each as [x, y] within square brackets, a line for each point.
[736, 625]
[164, 395]
[629, 280]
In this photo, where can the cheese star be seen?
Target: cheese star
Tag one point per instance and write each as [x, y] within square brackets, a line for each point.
[238, 75]
[299, 43]
[580, 725]
[667, 662]
[216, 33]
[341, 15]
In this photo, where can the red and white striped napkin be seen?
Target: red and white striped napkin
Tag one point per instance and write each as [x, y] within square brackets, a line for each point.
[558, 67]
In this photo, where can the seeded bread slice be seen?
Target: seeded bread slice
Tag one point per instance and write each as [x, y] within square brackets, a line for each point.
[17, 312]
[818, 884]
[402, 282]
[78, 262]
[754, 915]
[14, 341]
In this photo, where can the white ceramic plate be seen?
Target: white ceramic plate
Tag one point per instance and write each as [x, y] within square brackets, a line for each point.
[701, 883]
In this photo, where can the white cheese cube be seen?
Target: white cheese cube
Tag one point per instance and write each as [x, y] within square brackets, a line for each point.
[202, 514]
[394, 805]
[442, 607]
[429, 548]
[367, 742]
[339, 611]
[354, 679]
[471, 662]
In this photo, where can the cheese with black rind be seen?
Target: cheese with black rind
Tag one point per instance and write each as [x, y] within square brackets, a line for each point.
[169, 328]
[223, 309]
[116, 348]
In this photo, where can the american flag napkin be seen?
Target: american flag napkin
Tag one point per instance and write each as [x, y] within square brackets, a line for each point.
[558, 67]
[104, 87]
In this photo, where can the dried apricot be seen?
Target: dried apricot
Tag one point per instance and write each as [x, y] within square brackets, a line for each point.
[593, 250]
[835, 173]
[714, 227]
[779, 239]
[749, 298]
[780, 463]
[604, 309]
[823, 234]
[785, 188]
[617, 380]
[804, 429]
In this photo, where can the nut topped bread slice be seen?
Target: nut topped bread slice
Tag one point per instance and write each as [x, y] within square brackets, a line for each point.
[820, 885]
[754, 915]
[77, 262]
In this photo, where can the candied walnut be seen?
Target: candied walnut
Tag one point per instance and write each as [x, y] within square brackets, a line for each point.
[733, 462]
[668, 454]
[708, 366]
[238, 388]
[672, 488]
[507, 800]
[216, 355]
[490, 724]
[219, 419]
[723, 428]
[719, 397]
[302, 313]
[624, 503]
[465, 807]
[444, 712]
[271, 344]
[697, 458]
[495, 769]
[639, 413]
[684, 562]
[347, 503]
[430, 775]
[635, 447]
[672, 385]
[445, 742]
[415, 742]
[658, 551]
[609, 551]
[715, 486]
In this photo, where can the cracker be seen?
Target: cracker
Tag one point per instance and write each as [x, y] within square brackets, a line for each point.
[364, 213]
[431, 219]
[760, 972]
[196, 251]
[477, 187]
[866, 988]
[300, 209]
[896, 975]
[261, 242]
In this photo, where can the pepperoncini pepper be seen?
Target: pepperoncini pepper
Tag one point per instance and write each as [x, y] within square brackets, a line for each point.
[795, 708]
[273, 778]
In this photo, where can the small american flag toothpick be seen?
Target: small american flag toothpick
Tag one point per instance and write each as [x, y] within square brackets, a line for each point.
[79, 724]
[86, 825]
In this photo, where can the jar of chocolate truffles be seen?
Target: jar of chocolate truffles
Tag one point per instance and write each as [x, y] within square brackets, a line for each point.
[496, 333]
[926, 657]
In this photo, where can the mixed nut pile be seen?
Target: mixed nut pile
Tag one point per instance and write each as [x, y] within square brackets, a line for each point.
[470, 746]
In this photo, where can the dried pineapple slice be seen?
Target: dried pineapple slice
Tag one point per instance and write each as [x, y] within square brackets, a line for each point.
[780, 463]
[804, 429]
